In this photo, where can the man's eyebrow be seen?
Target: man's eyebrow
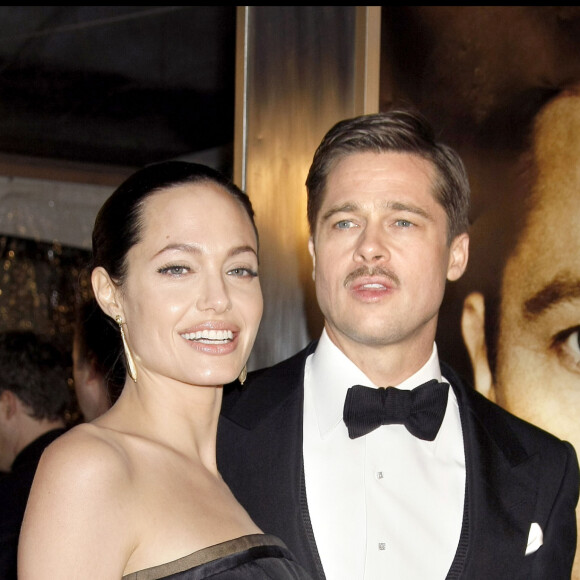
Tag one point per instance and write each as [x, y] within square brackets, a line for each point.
[561, 288]
[344, 208]
[396, 205]
[399, 206]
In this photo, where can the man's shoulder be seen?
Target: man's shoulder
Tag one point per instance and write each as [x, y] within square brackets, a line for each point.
[497, 421]
[28, 458]
[15, 485]
[268, 385]
[289, 368]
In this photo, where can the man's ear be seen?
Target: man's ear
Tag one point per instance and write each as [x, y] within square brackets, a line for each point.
[473, 332]
[458, 256]
[312, 254]
[106, 292]
[8, 404]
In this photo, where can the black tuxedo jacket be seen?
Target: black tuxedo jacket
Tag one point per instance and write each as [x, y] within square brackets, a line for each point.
[516, 474]
[14, 490]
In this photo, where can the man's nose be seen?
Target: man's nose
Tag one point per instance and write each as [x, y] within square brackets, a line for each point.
[372, 244]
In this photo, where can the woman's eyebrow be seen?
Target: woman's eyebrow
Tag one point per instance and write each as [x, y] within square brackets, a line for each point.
[242, 250]
[190, 248]
[195, 249]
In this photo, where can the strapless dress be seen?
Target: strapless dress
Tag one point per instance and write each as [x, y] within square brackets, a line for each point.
[252, 557]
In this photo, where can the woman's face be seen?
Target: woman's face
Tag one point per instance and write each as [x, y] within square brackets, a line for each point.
[192, 301]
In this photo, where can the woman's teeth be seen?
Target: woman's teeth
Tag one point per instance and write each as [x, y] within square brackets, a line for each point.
[210, 336]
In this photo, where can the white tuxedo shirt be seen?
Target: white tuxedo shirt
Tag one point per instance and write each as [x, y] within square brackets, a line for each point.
[385, 505]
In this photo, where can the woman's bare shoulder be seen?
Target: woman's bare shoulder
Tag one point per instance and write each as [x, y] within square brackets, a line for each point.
[87, 469]
[85, 450]
[80, 505]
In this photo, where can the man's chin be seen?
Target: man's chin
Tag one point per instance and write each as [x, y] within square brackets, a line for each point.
[371, 336]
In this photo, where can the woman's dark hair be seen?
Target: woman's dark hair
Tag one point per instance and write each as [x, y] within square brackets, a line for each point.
[98, 343]
[118, 224]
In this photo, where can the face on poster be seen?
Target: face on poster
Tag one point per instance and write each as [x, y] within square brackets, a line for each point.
[510, 105]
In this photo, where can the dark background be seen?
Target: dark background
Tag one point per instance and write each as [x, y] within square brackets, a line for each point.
[117, 85]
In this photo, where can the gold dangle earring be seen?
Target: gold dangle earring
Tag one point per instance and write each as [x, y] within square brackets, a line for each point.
[129, 358]
[243, 375]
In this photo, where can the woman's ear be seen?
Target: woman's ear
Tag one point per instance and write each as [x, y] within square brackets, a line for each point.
[106, 292]
[473, 331]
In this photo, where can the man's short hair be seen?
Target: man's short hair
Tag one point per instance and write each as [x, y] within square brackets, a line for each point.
[37, 372]
[396, 131]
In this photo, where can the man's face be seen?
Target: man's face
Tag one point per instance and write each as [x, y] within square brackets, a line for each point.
[381, 256]
[7, 402]
[538, 364]
[537, 375]
[538, 352]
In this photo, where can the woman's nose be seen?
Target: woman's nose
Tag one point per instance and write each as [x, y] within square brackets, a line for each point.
[214, 295]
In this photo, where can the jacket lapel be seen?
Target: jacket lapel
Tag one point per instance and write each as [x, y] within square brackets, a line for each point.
[266, 430]
[502, 488]
[501, 476]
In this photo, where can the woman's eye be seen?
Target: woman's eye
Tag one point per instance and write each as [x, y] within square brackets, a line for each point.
[243, 272]
[174, 270]
[567, 345]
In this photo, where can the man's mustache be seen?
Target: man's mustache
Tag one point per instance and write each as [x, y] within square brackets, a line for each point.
[365, 271]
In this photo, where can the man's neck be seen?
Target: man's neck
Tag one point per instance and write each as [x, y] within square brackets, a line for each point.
[386, 365]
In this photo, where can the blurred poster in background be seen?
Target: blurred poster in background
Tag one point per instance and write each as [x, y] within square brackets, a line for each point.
[501, 85]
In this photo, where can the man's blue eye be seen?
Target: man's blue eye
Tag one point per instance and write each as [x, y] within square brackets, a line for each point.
[344, 224]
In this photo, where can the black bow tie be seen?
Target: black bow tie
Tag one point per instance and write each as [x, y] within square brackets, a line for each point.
[421, 410]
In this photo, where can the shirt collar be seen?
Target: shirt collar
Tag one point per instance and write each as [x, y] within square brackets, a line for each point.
[330, 373]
